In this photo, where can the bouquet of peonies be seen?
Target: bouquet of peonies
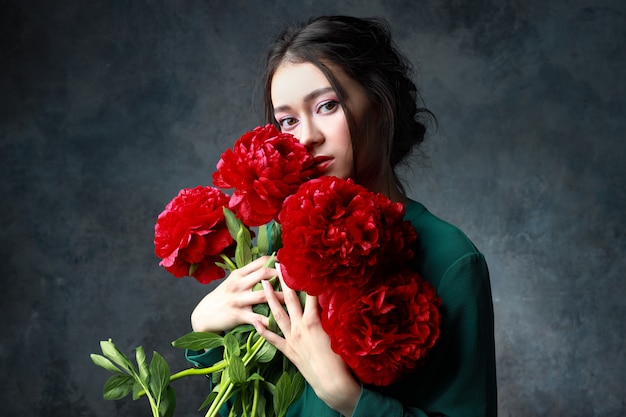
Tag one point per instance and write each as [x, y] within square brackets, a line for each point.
[334, 238]
[352, 248]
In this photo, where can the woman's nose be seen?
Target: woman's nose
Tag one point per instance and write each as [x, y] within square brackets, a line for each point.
[310, 134]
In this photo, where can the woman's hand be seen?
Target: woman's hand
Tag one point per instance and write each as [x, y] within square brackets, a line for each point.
[230, 303]
[307, 346]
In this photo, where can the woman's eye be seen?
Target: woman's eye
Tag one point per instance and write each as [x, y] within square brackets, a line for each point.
[328, 107]
[287, 122]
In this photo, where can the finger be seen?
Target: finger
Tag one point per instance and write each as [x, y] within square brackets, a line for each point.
[250, 298]
[254, 317]
[279, 271]
[270, 336]
[248, 276]
[256, 276]
[280, 315]
[255, 297]
[292, 301]
[311, 306]
[312, 310]
[252, 266]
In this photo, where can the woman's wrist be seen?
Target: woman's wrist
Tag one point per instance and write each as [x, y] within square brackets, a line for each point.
[343, 397]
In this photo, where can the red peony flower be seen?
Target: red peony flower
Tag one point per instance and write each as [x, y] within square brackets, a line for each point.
[191, 233]
[338, 233]
[398, 235]
[382, 330]
[264, 167]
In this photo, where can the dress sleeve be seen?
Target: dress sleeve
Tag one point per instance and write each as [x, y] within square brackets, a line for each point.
[204, 359]
[375, 404]
[458, 377]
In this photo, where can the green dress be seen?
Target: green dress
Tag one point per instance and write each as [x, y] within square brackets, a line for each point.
[458, 377]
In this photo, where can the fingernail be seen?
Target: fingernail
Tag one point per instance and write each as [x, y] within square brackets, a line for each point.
[265, 284]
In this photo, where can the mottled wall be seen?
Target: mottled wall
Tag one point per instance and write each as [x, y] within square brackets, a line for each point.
[108, 108]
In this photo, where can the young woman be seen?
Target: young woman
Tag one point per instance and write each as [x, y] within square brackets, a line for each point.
[339, 85]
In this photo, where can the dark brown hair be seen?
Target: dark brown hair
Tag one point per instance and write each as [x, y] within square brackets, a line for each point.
[363, 49]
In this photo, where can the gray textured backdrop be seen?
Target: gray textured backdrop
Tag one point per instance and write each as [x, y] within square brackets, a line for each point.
[108, 108]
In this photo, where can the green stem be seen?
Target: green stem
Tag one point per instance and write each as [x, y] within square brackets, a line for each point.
[198, 371]
[233, 413]
[153, 405]
[229, 262]
[249, 342]
[155, 409]
[255, 398]
[191, 371]
[224, 394]
[221, 398]
[252, 352]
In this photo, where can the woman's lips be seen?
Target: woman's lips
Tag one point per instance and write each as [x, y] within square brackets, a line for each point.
[321, 164]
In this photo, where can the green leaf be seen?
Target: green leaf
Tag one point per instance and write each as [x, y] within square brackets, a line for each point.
[118, 387]
[297, 386]
[138, 388]
[217, 376]
[288, 390]
[263, 309]
[103, 362]
[237, 370]
[269, 387]
[142, 363]
[266, 353]
[242, 328]
[273, 325]
[199, 341]
[281, 394]
[262, 240]
[168, 403]
[261, 410]
[232, 222]
[243, 254]
[302, 297]
[232, 345]
[276, 237]
[113, 353]
[159, 375]
[241, 401]
[208, 400]
[271, 263]
[255, 377]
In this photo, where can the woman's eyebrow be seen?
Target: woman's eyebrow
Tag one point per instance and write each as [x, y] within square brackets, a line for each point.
[307, 98]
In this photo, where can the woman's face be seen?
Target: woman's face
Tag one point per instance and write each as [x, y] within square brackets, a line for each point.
[306, 105]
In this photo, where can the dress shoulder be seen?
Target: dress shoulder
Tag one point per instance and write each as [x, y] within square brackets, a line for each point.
[440, 243]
